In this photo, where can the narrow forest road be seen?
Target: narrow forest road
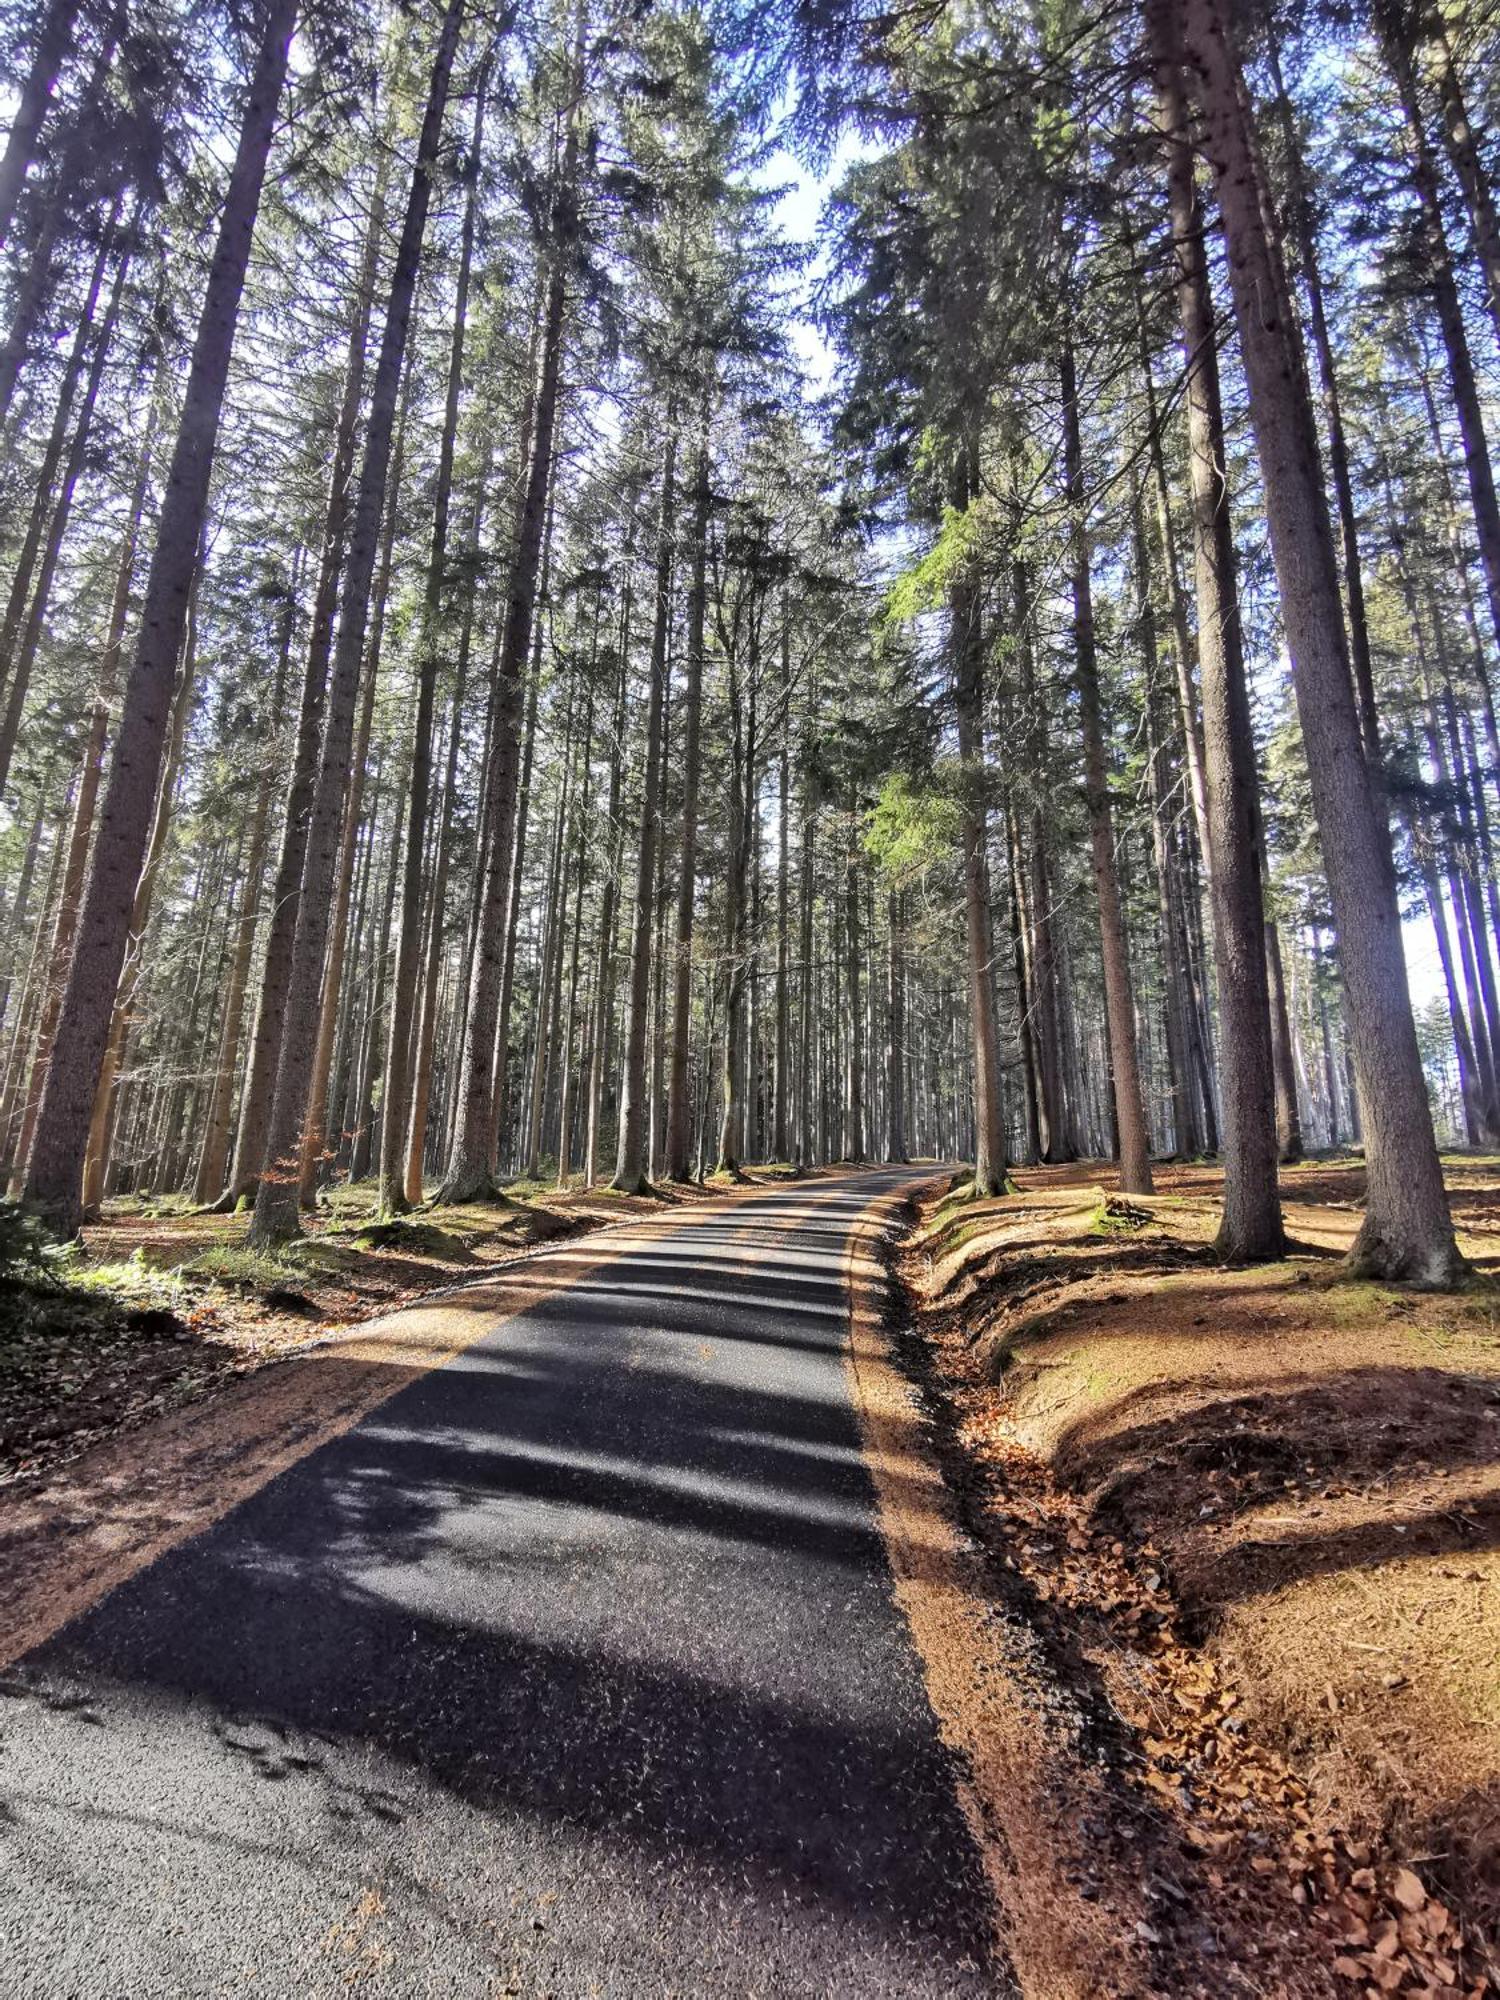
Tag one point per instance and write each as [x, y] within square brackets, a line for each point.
[571, 1669]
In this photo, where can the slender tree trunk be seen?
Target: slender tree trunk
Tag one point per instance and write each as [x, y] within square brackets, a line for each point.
[967, 641]
[1395, 27]
[805, 1119]
[277, 1200]
[315, 1130]
[33, 291]
[87, 798]
[604, 977]
[105, 1106]
[1284, 1060]
[679, 1104]
[1305, 232]
[630, 1163]
[1467, 157]
[24, 572]
[392, 1197]
[214, 1157]
[1407, 1231]
[470, 1170]
[55, 1172]
[54, 38]
[780, 1079]
[854, 1074]
[281, 931]
[896, 1129]
[416, 1138]
[1130, 1109]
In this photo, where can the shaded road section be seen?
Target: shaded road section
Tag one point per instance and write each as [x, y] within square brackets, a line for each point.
[572, 1669]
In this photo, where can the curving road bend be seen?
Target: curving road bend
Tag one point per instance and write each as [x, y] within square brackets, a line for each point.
[571, 1670]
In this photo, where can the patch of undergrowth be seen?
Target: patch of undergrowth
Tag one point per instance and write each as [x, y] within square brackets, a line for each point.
[1116, 1215]
[248, 1268]
[413, 1236]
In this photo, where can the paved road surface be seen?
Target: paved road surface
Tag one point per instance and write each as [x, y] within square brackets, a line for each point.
[570, 1670]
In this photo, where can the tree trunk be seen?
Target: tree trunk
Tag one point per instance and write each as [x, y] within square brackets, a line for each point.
[967, 642]
[426, 1042]
[679, 1103]
[270, 1008]
[315, 1130]
[854, 1074]
[105, 1106]
[1407, 1231]
[1119, 999]
[1395, 31]
[1467, 157]
[55, 1172]
[87, 799]
[392, 1198]
[213, 1158]
[1251, 1224]
[277, 1199]
[630, 1162]
[470, 1169]
[1301, 209]
[54, 38]
[604, 975]
[1284, 1060]
[780, 1079]
[24, 570]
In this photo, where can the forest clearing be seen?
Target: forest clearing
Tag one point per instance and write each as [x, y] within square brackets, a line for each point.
[749, 997]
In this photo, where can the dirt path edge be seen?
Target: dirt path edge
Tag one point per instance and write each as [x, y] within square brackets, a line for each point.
[1028, 1798]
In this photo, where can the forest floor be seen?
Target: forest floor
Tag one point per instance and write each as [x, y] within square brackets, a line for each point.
[1255, 1516]
[160, 1306]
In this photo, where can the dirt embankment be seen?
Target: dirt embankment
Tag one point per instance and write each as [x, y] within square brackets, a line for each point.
[1257, 1515]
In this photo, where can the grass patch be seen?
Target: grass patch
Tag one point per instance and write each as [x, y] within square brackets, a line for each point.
[417, 1239]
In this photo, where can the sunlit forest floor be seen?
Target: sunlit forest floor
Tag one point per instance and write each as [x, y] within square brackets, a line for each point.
[1259, 1513]
[161, 1305]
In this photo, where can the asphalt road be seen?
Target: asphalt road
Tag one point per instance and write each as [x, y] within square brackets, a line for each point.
[572, 1669]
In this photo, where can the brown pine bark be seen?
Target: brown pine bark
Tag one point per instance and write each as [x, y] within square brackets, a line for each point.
[1407, 1231]
[782, 1050]
[604, 974]
[470, 1170]
[315, 1147]
[630, 1160]
[86, 801]
[1304, 231]
[281, 931]
[854, 1068]
[213, 1158]
[1119, 998]
[55, 1173]
[1251, 1224]
[426, 1038]
[1397, 28]
[277, 1199]
[106, 1105]
[391, 1198]
[896, 1044]
[966, 639]
[679, 1104]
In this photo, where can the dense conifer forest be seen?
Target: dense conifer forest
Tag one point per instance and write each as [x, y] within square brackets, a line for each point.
[517, 662]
